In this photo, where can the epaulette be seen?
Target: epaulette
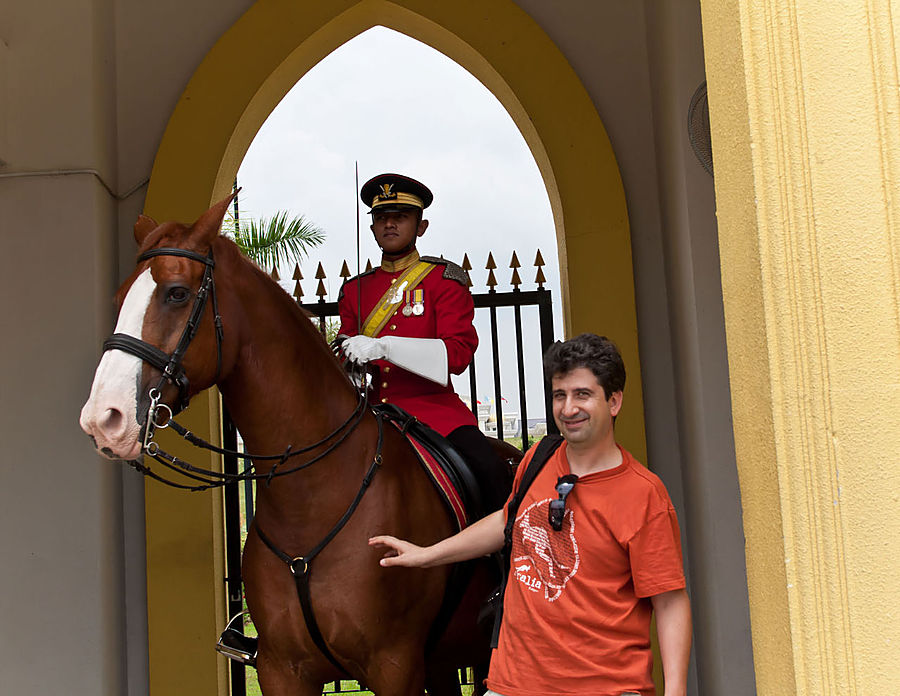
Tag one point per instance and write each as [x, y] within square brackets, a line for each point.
[451, 270]
[364, 273]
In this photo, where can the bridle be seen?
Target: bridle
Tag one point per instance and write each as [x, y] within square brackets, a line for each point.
[170, 365]
[173, 372]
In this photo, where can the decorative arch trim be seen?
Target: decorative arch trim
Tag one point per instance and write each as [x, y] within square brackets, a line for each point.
[234, 90]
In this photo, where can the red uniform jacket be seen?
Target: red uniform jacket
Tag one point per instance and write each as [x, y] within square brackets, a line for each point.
[448, 314]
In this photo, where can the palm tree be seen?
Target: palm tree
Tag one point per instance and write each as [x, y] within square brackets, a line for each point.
[269, 242]
[277, 240]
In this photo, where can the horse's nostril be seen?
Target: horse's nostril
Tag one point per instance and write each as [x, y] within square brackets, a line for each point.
[112, 419]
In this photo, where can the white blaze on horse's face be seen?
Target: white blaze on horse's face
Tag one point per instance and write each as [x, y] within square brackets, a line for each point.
[110, 414]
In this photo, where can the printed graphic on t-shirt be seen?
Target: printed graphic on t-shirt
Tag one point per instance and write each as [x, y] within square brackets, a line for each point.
[543, 559]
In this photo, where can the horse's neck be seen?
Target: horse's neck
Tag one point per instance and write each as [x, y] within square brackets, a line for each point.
[285, 387]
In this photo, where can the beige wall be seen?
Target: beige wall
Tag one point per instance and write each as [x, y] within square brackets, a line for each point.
[61, 583]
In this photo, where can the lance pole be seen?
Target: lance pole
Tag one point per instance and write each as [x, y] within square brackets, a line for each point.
[358, 280]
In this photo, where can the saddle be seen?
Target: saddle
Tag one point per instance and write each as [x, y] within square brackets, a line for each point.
[447, 468]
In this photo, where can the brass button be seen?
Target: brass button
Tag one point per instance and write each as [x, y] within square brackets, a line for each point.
[384, 400]
[384, 385]
[387, 368]
[393, 327]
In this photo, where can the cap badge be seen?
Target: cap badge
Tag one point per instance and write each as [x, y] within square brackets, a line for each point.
[387, 192]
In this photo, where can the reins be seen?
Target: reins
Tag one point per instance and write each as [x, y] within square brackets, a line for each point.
[214, 479]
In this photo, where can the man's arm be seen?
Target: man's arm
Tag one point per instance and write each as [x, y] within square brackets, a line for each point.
[673, 627]
[479, 539]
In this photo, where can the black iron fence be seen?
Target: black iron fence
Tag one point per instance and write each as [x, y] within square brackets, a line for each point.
[239, 497]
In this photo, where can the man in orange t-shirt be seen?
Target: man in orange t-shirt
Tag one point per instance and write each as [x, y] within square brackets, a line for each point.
[582, 585]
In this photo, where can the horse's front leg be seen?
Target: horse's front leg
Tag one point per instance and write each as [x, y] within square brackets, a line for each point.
[397, 671]
[283, 678]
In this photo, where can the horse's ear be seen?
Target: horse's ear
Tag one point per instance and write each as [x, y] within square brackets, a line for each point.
[144, 226]
[208, 224]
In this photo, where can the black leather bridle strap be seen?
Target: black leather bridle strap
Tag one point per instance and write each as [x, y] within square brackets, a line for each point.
[175, 251]
[301, 566]
[145, 351]
[170, 365]
[193, 323]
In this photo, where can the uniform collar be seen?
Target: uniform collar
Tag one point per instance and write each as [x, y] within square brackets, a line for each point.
[400, 264]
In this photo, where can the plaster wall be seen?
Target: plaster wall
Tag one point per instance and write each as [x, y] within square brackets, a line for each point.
[62, 587]
[809, 151]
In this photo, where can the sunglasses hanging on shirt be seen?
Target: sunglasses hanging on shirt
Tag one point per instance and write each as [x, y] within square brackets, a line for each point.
[564, 486]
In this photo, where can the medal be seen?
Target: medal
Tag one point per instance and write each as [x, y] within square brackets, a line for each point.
[418, 307]
[407, 308]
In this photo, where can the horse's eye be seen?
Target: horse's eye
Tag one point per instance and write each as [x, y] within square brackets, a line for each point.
[178, 295]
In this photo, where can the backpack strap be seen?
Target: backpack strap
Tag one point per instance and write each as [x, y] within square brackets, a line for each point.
[545, 449]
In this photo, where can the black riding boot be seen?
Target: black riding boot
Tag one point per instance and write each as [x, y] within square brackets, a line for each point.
[493, 474]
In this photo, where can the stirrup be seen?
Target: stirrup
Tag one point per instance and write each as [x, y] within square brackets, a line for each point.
[234, 645]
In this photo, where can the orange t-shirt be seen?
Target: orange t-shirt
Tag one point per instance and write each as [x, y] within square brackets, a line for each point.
[576, 617]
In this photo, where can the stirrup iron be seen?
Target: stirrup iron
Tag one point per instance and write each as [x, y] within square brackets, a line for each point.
[234, 645]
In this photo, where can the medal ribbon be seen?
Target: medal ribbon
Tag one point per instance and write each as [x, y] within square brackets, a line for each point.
[388, 303]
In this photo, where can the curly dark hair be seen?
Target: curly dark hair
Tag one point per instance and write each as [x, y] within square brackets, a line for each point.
[596, 353]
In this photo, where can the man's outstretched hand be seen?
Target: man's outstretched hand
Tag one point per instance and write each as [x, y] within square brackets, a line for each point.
[400, 553]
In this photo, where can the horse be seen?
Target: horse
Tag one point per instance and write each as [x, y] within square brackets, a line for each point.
[337, 475]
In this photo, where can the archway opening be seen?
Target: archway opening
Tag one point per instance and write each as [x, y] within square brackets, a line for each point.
[430, 119]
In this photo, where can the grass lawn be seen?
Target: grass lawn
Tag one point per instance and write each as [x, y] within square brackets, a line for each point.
[345, 686]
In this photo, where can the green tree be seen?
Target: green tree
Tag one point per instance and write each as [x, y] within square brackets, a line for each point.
[276, 240]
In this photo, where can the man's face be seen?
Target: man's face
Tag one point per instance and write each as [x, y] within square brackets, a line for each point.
[580, 408]
[396, 230]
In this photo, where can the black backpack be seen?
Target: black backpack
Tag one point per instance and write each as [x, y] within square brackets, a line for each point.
[545, 448]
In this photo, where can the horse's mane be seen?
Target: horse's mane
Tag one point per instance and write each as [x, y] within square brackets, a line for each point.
[228, 253]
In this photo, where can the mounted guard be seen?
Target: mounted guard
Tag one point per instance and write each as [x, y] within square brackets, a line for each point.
[410, 321]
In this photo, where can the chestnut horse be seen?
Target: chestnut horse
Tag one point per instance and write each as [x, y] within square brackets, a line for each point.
[285, 389]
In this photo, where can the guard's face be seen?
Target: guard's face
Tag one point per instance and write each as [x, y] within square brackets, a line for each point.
[580, 408]
[396, 231]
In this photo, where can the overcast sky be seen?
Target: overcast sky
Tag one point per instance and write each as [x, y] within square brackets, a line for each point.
[393, 104]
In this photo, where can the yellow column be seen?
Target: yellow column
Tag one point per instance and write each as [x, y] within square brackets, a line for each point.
[805, 116]
[185, 566]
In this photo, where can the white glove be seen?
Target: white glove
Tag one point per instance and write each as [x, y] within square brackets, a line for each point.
[362, 349]
[426, 357]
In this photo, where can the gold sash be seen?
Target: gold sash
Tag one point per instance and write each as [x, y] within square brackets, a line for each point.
[389, 302]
